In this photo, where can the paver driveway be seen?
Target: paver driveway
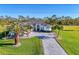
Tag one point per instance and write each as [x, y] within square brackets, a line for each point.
[50, 45]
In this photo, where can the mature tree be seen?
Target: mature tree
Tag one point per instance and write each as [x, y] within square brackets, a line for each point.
[21, 18]
[27, 29]
[17, 39]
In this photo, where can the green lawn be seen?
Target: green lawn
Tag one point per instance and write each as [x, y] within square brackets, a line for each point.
[32, 46]
[69, 40]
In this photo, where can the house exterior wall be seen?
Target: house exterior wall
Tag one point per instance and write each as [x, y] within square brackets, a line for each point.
[40, 27]
[47, 28]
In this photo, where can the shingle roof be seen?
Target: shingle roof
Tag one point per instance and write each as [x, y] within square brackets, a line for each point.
[32, 22]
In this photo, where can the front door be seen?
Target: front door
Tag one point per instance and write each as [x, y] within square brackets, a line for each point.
[38, 28]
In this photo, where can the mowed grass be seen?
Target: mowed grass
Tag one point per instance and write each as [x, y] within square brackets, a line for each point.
[70, 27]
[31, 46]
[69, 40]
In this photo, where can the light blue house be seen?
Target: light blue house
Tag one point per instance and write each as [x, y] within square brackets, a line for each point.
[42, 27]
[38, 25]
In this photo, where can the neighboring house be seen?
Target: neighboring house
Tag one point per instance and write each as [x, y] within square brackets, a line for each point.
[11, 35]
[38, 25]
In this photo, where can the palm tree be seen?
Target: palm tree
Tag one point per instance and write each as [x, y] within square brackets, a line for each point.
[57, 29]
[17, 39]
[27, 29]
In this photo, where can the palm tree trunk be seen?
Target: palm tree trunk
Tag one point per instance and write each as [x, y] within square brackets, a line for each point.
[17, 40]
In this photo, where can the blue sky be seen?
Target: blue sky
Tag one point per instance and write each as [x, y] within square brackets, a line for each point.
[39, 10]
